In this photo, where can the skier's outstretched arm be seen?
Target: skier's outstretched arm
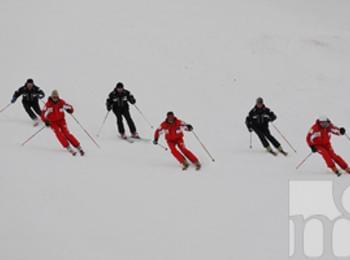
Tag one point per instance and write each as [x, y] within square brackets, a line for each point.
[337, 130]
[272, 115]
[131, 98]
[109, 102]
[69, 108]
[157, 134]
[17, 94]
[41, 93]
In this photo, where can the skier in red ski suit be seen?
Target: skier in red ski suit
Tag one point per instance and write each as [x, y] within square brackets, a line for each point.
[173, 129]
[319, 138]
[54, 117]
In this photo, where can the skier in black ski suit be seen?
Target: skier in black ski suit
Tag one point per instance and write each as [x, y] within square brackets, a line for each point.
[118, 101]
[30, 99]
[258, 121]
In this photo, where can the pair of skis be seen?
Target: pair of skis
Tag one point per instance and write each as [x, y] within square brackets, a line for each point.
[132, 140]
[74, 153]
[185, 167]
[275, 153]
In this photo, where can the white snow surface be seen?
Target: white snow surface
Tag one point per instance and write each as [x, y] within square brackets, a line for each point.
[205, 60]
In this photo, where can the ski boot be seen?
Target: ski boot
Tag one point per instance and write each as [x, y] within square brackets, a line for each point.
[81, 151]
[280, 149]
[123, 136]
[336, 171]
[198, 165]
[185, 165]
[135, 135]
[71, 151]
[269, 150]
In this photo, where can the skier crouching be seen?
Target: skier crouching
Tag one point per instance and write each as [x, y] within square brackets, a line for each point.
[53, 115]
[174, 136]
[319, 140]
[30, 99]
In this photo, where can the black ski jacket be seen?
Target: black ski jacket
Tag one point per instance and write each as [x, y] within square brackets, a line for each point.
[260, 118]
[29, 95]
[121, 100]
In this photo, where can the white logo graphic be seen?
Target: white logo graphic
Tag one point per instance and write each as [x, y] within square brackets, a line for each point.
[319, 220]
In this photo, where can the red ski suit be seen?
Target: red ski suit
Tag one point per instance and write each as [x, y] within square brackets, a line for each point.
[321, 139]
[174, 137]
[53, 112]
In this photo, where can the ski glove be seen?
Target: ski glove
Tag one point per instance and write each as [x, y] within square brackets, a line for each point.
[109, 107]
[132, 100]
[155, 142]
[342, 131]
[69, 109]
[47, 123]
[313, 148]
[250, 130]
[13, 100]
[189, 127]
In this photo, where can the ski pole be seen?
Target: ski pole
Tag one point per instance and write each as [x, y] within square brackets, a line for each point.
[32, 136]
[347, 136]
[285, 139]
[87, 133]
[303, 161]
[6, 107]
[103, 123]
[162, 146]
[144, 117]
[251, 141]
[203, 146]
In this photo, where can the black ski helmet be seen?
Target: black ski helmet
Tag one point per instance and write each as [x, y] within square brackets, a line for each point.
[119, 85]
[260, 100]
[30, 81]
[170, 113]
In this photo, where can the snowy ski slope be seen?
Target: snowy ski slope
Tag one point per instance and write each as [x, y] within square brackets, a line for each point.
[205, 60]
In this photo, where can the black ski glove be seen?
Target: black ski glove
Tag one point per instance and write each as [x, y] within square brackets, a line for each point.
[109, 107]
[342, 131]
[155, 142]
[189, 127]
[47, 123]
[13, 100]
[313, 148]
[250, 130]
[132, 100]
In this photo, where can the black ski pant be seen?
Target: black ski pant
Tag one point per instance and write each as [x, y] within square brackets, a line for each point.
[124, 112]
[32, 108]
[265, 136]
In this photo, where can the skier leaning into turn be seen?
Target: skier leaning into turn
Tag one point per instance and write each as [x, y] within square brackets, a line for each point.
[319, 140]
[173, 129]
[30, 99]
